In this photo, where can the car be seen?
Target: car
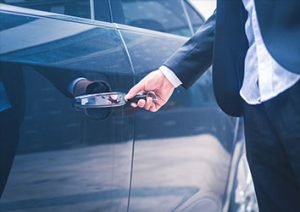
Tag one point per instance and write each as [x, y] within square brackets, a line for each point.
[188, 156]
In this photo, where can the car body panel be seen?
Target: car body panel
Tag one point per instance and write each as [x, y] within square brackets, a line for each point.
[66, 160]
[110, 159]
[173, 147]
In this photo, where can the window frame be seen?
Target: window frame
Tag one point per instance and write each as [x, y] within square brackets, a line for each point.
[187, 2]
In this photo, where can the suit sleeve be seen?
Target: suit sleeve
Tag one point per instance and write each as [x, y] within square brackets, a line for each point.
[191, 60]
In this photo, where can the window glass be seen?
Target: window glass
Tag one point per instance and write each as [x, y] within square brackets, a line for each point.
[76, 8]
[160, 15]
[195, 18]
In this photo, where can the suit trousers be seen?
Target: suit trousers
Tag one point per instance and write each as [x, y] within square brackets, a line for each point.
[272, 132]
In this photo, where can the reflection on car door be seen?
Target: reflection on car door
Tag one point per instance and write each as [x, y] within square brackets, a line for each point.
[65, 160]
[183, 152]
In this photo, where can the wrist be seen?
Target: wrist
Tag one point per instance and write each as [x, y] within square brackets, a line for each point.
[166, 82]
[170, 76]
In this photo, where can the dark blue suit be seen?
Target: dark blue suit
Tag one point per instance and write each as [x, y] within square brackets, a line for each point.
[273, 154]
[225, 33]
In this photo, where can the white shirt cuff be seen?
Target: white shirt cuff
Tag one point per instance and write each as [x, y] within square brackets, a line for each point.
[169, 74]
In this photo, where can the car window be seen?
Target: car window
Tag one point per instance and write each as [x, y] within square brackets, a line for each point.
[160, 15]
[195, 19]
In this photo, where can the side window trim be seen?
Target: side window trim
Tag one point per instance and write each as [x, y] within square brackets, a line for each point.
[92, 8]
[187, 16]
[187, 2]
[110, 11]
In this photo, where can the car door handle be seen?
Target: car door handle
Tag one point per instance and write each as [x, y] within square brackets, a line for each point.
[107, 100]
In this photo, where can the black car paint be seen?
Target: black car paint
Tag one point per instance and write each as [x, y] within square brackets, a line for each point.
[132, 159]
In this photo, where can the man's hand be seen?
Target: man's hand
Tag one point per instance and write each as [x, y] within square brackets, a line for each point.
[157, 83]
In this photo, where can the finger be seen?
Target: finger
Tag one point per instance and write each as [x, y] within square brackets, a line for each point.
[135, 90]
[151, 108]
[141, 103]
[149, 102]
[133, 105]
[154, 107]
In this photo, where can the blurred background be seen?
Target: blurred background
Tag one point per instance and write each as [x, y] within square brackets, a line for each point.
[206, 7]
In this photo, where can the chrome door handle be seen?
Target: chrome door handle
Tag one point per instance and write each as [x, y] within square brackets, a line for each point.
[106, 100]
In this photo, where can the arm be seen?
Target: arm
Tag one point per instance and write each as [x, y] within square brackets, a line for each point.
[188, 63]
[191, 60]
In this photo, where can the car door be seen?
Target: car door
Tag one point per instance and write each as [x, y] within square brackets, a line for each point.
[182, 153]
[64, 159]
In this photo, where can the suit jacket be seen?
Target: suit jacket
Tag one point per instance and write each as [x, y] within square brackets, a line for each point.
[222, 42]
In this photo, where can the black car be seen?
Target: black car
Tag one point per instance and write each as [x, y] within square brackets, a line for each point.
[188, 156]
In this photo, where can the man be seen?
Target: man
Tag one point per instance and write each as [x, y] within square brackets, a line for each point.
[254, 48]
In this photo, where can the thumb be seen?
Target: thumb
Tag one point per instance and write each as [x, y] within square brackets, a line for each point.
[135, 90]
